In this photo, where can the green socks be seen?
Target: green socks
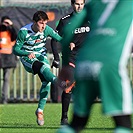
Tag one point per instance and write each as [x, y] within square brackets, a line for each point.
[48, 75]
[44, 91]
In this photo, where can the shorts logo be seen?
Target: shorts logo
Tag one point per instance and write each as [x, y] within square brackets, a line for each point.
[88, 70]
[106, 31]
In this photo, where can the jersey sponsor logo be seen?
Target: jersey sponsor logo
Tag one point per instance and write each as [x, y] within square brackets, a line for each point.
[31, 42]
[38, 41]
[82, 30]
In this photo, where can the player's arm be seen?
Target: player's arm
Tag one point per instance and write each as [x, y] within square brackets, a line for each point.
[55, 37]
[54, 44]
[56, 61]
[51, 33]
[17, 49]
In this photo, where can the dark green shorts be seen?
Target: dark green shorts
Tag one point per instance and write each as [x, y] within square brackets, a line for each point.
[27, 63]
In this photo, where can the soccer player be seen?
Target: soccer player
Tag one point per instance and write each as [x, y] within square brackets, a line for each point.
[101, 66]
[30, 46]
[75, 45]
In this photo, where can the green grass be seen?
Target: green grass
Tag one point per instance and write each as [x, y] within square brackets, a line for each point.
[20, 118]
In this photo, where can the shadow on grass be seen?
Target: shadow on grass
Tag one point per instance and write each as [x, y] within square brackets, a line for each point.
[34, 126]
[101, 128]
[9, 125]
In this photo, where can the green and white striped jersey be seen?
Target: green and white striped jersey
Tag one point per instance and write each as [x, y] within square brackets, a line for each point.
[28, 41]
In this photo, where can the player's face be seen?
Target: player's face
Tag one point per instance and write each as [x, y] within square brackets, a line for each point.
[78, 5]
[40, 25]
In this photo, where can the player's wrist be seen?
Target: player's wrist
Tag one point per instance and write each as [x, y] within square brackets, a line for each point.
[72, 64]
[56, 63]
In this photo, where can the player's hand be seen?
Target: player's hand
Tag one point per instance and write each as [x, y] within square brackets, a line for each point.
[72, 46]
[31, 55]
[55, 64]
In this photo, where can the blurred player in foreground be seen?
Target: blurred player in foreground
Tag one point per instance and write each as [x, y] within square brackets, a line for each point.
[101, 66]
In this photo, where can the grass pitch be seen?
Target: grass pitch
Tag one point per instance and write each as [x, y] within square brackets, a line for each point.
[20, 118]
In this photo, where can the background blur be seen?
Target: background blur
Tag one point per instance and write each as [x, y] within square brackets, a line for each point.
[25, 87]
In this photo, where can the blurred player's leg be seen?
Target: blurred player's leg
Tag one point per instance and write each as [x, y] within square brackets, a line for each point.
[66, 74]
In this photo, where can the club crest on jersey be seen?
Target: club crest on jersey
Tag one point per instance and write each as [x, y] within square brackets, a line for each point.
[82, 30]
[41, 37]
